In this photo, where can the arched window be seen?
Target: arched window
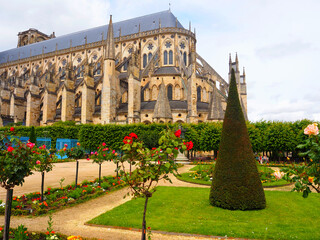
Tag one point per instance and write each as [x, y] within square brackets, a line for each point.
[165, 57]
[144, 60]
[142, 94]
[169, 92]
[149, 56]
[125, 66]
[97, 69]
[82, 68]
[199, 94]
[170, 57]
[185, 58]
[98, 98]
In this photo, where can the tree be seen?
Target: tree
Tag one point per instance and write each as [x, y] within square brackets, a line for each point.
[33, 137]
[103, 154]
[150, 165]
[76, 153]
[16, 163]
[44, 163]
[236, 183]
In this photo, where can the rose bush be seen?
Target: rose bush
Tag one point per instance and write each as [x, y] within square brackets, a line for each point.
[151, 165]
[307, 176]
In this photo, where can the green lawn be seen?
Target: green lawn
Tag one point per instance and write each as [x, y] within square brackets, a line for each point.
[287, 216]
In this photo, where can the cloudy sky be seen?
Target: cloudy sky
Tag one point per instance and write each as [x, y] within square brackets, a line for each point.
[277, 41]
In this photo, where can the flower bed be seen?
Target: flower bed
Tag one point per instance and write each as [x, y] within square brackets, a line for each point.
[22, 233]
[56, 198]
[202, 174]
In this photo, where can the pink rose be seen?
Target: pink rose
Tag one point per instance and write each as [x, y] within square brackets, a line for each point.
[30, 144]
[38, 162]
[113, 151]
[312, 129]
[66, 145]
[103, 144]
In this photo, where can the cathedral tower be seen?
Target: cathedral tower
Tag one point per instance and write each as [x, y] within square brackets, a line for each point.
[108, 93]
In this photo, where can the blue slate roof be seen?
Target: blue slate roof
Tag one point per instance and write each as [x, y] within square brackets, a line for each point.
[128, 27]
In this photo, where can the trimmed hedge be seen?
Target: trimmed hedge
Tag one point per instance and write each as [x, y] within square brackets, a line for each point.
[236, 183]
[265, 136]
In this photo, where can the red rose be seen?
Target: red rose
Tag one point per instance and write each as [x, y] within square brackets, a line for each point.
[133, 135]
[189, 145]
[178, 133]
[11, 129]
[127, 140]
[10, 149]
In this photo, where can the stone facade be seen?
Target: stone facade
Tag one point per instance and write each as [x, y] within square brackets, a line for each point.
[126, 72]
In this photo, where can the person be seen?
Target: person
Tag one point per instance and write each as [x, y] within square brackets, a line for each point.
[265, 159]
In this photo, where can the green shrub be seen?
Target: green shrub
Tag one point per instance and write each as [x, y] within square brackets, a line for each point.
[236, 183]
[105, 185]
[75, 194]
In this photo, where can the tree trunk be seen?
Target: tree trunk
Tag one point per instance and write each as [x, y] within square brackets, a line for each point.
[100, 174]
[77, 170]
[144, 228]
[7, 214]
[117, 169]
[42, 185]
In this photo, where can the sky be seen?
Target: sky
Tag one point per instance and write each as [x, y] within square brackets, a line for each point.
[277, 41]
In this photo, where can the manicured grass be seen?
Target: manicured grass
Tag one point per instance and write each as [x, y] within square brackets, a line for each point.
[175, 209]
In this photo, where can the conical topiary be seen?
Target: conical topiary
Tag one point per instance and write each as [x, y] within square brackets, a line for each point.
[236, 183]
[33, 137]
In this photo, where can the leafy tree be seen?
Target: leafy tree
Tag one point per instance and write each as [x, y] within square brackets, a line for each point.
[236, 183]
[44, 163]
[210, 137]
[280, 138]
[33, 137]
[101, 155]
[76, 153]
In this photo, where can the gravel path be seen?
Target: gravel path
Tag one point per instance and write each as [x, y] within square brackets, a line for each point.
[71, 221]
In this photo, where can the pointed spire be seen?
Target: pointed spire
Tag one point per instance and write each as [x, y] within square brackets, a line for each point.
[139, 27]
[109, 48]
[230, 61]
[159, 22]
[194, 31]
[215, 106]
[162, 109]
[176, 22]
[237, 63]
[119, 32]
[190, 26]
[244, 72]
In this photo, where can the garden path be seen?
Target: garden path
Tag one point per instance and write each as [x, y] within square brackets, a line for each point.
[87, 171]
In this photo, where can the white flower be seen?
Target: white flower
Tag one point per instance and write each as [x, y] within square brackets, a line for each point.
[278, 175]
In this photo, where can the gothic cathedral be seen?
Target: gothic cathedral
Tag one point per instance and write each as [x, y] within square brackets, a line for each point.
[144, 69]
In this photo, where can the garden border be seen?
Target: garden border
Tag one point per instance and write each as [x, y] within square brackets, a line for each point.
[163, 232]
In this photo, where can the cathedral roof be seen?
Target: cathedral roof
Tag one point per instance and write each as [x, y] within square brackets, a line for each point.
[128, 27]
